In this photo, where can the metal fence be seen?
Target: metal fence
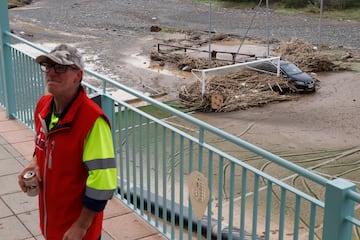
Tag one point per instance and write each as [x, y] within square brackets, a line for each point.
[189, 179]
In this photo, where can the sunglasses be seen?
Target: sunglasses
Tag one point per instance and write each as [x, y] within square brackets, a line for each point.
[58, 68]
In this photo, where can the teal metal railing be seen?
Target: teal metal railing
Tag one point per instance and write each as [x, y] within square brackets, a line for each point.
[158, 149]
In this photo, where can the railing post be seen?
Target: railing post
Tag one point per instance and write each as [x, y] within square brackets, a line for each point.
[337, 208]
[7, 58]
[107, 105]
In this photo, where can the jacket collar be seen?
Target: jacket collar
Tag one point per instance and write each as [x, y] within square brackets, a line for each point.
[70, 111]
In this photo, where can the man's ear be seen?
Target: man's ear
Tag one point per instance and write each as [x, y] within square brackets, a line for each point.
[80, 75]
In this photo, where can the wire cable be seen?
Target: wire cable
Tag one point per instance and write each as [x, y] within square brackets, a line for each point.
[248, 29]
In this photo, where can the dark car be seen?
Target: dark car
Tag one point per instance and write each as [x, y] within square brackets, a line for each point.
[302, 81]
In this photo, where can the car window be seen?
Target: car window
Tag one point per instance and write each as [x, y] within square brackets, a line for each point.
[290, 69]
[268, 67]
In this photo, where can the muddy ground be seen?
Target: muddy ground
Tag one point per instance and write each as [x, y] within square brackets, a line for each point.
[118, 45]
[320, 129]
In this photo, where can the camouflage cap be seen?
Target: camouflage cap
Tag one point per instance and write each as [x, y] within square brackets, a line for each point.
[63, 54]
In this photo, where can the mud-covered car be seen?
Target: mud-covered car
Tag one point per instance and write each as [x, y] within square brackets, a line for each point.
[302, 81]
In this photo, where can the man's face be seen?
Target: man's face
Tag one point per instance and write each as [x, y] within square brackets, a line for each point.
[61, 80]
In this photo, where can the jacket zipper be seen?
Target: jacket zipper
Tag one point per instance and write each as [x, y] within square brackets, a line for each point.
[44, 186]
[50, 155]
[43, 124]
[47, 165]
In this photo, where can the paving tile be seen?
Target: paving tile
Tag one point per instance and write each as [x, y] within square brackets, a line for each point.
[106, 236]
[114, 208]
[13, 152]
[23, 162]
[2, 115]
[9, 184]
[155, 237]
[12, 229]
[129, 226]
[5, 153]
[3, 141]
[4, 210]
[9, 166]
[31, 221]
[17, 136]
[25, 148]
[10, 125]
[20, 203]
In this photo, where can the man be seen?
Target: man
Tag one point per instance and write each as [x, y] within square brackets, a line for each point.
[74, 154]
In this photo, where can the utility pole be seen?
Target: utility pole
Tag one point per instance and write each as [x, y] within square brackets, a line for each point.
[209, 64]
[320, 23]
[267, 28]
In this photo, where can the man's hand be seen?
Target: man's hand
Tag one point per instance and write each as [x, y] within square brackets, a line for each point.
[75, 232]
[78, 230]
[32, 166]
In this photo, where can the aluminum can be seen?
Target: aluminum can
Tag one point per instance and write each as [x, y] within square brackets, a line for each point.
[31, 183]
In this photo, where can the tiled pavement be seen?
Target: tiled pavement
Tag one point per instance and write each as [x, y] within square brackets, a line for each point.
[19, 213]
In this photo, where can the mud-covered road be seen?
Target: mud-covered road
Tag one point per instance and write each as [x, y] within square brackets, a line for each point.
[115, 37]
[116, 19]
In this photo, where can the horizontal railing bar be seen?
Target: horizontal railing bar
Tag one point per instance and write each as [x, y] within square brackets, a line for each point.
[353, 220]
[355, 196]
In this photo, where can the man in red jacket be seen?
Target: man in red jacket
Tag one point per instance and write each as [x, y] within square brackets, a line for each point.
[74, 153]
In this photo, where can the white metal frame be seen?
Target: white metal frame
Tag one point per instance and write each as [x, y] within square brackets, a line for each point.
[204, 71]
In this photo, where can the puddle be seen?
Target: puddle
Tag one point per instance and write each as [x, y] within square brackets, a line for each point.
[170, 72]
[140, 61]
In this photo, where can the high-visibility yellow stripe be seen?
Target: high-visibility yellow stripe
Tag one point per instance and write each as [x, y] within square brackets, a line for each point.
[98, 143]
[102, 179]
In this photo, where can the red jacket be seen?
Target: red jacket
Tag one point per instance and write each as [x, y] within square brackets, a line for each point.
[59, 156]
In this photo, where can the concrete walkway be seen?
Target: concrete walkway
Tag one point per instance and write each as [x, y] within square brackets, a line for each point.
[19, 213]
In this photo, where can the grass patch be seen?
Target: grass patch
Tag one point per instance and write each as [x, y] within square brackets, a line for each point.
[351, 66]
[129, 117]
[160, 113]
[228, 4]
[344, 14]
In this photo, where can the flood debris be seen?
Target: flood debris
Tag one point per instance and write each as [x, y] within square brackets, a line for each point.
[237, 91]
[18, 3]
[183, 62]
[305, 56]
[243, 89]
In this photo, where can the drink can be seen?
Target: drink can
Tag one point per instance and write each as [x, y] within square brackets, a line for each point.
[31, 183]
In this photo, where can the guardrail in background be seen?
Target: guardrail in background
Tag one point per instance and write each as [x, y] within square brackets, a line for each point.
[158, 149]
